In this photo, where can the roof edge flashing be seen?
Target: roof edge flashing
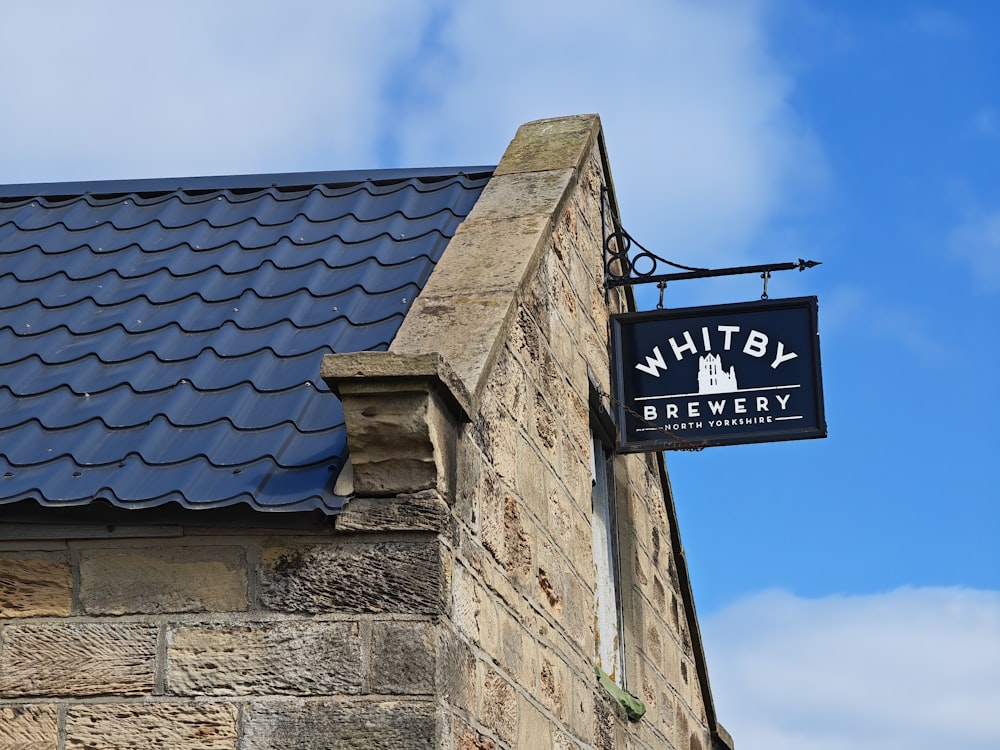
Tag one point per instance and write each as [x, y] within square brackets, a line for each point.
[238, 183]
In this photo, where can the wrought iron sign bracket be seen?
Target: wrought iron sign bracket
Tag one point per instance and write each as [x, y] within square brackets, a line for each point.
[621, 269]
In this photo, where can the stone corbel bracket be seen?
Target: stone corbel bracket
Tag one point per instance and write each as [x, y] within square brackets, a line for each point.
[402, 412]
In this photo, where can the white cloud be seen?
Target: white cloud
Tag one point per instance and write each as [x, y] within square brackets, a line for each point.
[851, 311]
[123, 89]
[938, 24]
[705, 146]
[702, 139]
[986, 123]
[912, 669]
[977, 242]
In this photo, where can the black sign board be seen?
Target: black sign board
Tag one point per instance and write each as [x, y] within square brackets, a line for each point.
[718, 375]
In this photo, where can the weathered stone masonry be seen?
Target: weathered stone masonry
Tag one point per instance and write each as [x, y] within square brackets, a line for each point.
[221, 642]
[452, 606]
[522, 282]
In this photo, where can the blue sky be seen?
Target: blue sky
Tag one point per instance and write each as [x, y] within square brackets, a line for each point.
[903, 105]
[848, 588]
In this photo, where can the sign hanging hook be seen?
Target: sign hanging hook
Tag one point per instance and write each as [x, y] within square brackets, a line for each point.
[766, 275]
[662, 286]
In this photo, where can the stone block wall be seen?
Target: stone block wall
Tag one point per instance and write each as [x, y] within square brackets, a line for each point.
[453, 605]
[523, 585]
[235, 641]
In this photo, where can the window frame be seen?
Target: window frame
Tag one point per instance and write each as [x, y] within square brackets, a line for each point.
[608, 601]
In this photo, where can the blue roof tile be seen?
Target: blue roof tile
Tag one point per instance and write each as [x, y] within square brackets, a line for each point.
[162, 344]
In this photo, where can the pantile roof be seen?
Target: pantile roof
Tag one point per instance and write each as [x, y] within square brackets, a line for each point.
[160, 340]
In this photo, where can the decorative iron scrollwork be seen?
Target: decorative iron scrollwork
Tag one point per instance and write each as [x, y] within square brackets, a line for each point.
[623, 268]
[631, 268]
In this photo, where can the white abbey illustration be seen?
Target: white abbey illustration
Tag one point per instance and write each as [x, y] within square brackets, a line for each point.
[712, 378]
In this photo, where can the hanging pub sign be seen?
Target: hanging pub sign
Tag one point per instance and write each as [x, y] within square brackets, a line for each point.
[718, 375]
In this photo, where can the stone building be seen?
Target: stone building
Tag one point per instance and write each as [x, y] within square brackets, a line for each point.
[324, 461]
